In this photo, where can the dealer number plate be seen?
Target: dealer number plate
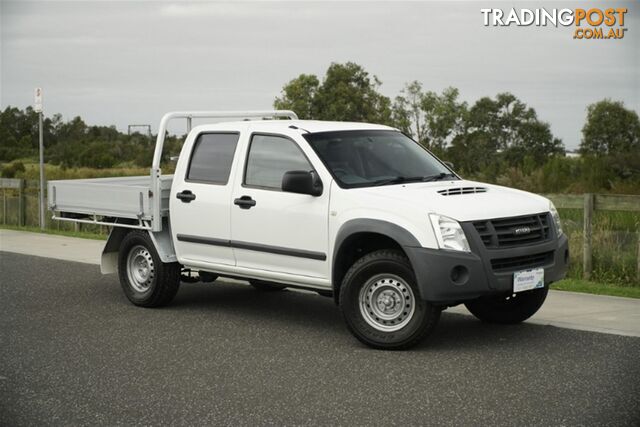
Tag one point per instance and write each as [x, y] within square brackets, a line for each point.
[528, 279]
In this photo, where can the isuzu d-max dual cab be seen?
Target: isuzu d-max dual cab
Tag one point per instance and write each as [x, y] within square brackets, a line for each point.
[359, 212]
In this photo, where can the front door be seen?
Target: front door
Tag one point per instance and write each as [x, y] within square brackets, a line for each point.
[274, 230]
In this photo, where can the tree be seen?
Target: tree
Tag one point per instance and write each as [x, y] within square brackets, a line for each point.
[610, 128]
[407, 111]
[474, 153]
[347, 93]
[511, 131]
[298, 95]
[535, 142]
[19, 133]
[444, 117]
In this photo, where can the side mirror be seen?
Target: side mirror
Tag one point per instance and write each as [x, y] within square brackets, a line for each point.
[302, 182]
[449, 165]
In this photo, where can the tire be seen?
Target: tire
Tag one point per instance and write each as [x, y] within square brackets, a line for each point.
[508, 309]
[400, 319]
[263, 286]
[154, 283]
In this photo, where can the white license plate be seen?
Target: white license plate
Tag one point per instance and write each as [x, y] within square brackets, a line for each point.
[528, 279]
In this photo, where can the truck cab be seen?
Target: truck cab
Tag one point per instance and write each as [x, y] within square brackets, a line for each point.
[359, 212]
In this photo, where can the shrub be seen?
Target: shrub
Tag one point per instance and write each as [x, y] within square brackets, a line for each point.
[12, 169]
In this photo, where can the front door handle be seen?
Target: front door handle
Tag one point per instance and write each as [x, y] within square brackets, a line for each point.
[245, 202]
[186, 196]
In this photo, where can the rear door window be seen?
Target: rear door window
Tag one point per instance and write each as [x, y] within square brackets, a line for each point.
[212, 157]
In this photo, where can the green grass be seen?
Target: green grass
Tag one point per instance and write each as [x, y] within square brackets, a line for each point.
[615, 246]
[584, 286]
[81, 234]
[53, 172]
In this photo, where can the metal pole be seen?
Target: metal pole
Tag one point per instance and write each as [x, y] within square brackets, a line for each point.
[587, 258]
[42, 207]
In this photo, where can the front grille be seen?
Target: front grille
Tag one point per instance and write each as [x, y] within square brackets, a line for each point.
[522, 262]
[514, 231]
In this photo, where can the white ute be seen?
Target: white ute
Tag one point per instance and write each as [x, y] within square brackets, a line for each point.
[356, 211]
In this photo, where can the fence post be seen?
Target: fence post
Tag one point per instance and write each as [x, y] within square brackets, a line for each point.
[21, 203]
[638, 270]
[587, 265]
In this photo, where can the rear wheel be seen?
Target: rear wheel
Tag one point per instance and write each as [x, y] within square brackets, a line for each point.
[508, 309]
[266, 286]
[145, 279]
[381, 303]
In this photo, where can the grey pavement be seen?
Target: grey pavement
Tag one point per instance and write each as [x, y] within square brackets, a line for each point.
[74, 351]
[51, 246]
[571, 310]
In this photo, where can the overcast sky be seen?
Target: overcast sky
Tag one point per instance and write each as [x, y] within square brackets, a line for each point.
[130, 62]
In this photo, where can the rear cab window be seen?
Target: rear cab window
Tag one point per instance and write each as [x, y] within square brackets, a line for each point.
[212, 157]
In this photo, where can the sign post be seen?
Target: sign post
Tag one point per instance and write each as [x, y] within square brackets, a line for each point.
[37, 106]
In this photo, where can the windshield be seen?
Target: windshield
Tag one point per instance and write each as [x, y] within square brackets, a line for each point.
[363, 158]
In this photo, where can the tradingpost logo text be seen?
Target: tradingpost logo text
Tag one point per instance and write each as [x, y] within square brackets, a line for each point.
[594, 23]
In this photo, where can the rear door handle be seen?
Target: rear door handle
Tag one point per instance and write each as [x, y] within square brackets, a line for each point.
[245, 202]
[186, 196]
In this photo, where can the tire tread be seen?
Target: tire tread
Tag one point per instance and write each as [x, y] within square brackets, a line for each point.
[167, 274]
[433, 313]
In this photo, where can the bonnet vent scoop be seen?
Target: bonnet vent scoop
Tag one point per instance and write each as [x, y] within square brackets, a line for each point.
[462, 190]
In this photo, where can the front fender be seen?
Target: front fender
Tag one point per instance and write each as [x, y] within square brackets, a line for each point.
[400, 235]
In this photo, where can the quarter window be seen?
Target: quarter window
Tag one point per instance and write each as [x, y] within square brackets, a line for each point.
[212, 157]
[269, 158]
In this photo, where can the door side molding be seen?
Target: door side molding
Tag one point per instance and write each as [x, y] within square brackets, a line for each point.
[278, 250]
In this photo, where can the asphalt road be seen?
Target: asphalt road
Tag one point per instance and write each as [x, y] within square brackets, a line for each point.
[73, 351]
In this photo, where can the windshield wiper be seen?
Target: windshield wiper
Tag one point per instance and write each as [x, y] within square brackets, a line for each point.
[403, 179]
[439, 177]
[399, 180]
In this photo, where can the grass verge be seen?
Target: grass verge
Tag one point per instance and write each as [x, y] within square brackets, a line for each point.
[584, 286]
[81, 234]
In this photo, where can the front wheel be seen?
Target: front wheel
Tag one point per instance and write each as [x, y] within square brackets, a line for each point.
[145, 279]
[508, 309]
[381, 303]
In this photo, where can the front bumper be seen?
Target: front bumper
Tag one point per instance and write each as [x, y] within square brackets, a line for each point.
[447, 277]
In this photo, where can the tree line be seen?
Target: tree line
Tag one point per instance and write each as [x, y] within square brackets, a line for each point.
[72, 143]
[496, 139]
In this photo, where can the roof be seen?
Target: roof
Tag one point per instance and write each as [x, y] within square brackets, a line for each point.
[308, 125]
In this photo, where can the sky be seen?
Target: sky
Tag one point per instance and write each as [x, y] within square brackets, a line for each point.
[126, 62]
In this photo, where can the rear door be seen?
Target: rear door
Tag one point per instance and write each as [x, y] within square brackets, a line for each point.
[200, 199]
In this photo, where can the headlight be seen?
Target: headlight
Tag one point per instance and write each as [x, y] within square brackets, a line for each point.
[449, 233]
[556, 218]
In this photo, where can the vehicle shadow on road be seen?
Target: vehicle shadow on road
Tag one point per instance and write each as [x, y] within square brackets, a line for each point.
[306, 309]
[457, 332]
[314, 314]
